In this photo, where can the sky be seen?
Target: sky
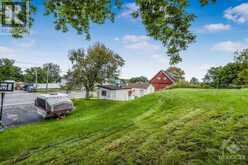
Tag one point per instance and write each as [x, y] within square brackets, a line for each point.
[221, 29]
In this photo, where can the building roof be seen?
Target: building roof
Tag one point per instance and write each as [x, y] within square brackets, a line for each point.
[113, 87]
[170, 76]
[129, 86]
[138, 85]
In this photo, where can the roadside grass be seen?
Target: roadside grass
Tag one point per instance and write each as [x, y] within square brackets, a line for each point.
[179, 126]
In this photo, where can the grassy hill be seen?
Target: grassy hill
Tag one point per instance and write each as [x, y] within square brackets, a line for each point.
[181, 126]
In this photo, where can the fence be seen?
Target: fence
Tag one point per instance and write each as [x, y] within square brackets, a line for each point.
[50, 85]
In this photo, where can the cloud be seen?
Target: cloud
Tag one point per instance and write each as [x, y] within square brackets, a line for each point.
[159, 59]
[129, 8]
[6, 51]
[142, 45]
[138, 42]
[216, 27]
[135, 38]
[117, 39]
[229, 46]
[26, 43]
[237, 14]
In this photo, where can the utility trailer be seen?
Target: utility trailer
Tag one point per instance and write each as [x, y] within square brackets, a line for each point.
[54, 105]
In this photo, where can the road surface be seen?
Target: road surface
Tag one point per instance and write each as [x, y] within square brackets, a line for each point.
[19, 108]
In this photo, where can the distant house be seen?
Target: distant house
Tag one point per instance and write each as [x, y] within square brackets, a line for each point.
[162, 80]
[124, 93]
[140, 89]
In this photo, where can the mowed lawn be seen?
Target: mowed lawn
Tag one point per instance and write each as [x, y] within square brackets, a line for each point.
[179, 126]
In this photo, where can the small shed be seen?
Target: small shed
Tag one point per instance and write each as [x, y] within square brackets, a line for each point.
[124, 93]
[112, 92]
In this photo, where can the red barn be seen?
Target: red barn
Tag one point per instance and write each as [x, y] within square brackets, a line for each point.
[162, 80]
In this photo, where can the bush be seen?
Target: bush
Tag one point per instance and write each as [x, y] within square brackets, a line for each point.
[186, 84]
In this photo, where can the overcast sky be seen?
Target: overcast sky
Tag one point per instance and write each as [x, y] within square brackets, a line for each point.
[221, 29]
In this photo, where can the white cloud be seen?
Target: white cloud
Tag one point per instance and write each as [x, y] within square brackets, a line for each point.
[135, 38]
[117, 39]
[196, 70]
[27, 44]
[142, 45]
[6, 51]
[237, 14]
[138, 42]
[216, 27]
[159, 59]
[129, 8]
[229, 46]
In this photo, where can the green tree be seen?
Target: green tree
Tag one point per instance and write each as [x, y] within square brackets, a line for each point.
[243, 77]
[95, 66]
[241, 57]
[224, 76]
[53, 71]
[194, 80]
[139, 79]
[177, 72]
[167, 21]
[8, 71]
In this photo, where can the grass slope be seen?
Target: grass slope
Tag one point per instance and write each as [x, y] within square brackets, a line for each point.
[181, 126]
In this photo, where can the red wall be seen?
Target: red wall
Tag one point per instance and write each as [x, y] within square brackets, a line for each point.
[160, 84]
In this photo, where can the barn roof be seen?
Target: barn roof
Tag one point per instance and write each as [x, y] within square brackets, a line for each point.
[170, 75]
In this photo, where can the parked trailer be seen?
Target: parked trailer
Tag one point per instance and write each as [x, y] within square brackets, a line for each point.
[54, 105]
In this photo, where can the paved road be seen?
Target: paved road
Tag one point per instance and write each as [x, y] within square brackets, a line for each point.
[19, 108]
[24, 98]
[19, 98]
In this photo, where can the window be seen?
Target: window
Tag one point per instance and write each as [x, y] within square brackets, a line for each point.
[129, 93]
[104, 93]
[158, 78]
[164, 78]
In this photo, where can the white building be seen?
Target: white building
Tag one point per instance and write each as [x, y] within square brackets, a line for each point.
[129, 92]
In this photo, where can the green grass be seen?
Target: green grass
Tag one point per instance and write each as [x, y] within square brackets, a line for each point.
[179, 126]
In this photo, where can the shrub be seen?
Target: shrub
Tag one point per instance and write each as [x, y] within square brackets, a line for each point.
[186, 84]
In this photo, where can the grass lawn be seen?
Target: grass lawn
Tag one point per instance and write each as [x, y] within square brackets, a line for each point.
[179, 126]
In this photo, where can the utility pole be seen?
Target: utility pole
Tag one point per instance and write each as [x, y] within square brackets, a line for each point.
[47, 79]
[36, 78]
[1, 112]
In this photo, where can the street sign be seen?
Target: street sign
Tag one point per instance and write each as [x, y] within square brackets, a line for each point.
[6, 87]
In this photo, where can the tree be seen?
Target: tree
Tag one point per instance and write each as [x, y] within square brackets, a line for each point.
[139, 79]
[94, 66]
[53, 71]
[69, 81]
[213, 77]
[165, 20]
[224, 76]
[194, 80]
[30, 75]
[243, 76]
[8, 71]
[177, 72]
[241, 57]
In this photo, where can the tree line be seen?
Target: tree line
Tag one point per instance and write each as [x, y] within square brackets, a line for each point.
[9, 71]
[233, 74]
